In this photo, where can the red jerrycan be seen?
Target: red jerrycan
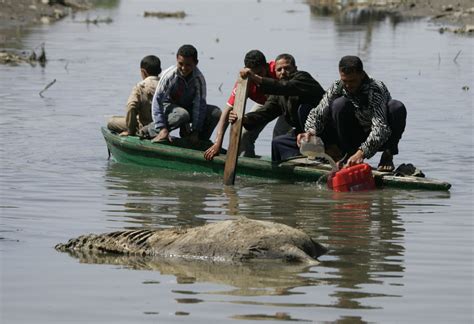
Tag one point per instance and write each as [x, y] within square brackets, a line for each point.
[355, 178]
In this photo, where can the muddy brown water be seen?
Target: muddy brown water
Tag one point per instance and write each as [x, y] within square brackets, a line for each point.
[394, 255]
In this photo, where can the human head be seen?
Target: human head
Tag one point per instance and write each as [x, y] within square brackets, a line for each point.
[150, 66]
[187, 59]
[256, 61]
[351, 71]
[285, 65]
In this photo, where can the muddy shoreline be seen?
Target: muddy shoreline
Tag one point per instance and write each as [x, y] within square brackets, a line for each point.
[15, 15]
[20, 13]
[456, 13]
[450, 14]
[456, 16]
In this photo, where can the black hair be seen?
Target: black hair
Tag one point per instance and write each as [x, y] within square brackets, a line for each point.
[151, 64]
[188, 51]
[254, 59]
[287, 57]
[350, 64]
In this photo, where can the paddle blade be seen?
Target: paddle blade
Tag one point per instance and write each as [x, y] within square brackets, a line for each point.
[235, 131]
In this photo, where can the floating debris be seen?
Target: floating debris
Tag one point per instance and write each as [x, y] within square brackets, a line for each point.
[466, 29]
[457, 55]
[13, 58]
[97, 20]
[42, 57]
[18, 57]
[164, 14]
[47, 87]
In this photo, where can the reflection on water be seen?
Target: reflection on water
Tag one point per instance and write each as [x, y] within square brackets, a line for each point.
[363, 231]
[244, 279]
[387, 249]
[178, 199]
[349, 18]
[366, 233]
[348, 12]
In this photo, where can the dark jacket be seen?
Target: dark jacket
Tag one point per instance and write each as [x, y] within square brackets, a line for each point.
[285, 98]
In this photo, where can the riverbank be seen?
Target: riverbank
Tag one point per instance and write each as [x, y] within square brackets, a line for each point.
[456, 16]
[17, 14]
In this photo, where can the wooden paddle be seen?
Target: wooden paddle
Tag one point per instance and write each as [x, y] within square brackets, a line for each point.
[235, 130]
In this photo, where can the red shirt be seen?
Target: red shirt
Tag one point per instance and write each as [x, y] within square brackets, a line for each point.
[254, 93]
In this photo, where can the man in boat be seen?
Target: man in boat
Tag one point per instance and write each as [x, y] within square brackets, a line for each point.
[292, 93]
[358, 114]
[180, 99]
[256, 62]
[138, 110]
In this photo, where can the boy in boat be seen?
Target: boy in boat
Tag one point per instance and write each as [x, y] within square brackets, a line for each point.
[180, 99]
[292, 93]
[138, 110]
[358, 114]
[256, 62]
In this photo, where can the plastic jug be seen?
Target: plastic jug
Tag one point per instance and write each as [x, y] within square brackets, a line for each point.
[354, 178]
[314, 147]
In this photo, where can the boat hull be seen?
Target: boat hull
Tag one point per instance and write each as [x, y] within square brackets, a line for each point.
[131, 149]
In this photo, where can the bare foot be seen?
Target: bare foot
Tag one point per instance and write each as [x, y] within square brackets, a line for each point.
[386, 162]
[158, 139]
[124, 133]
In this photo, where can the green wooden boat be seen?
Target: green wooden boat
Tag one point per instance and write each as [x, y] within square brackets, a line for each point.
[179, 156]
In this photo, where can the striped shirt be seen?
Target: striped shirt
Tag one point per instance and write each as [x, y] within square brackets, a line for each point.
[189, 93]
[370, 110]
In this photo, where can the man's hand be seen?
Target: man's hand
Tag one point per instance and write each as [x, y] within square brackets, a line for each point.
[245, 73]
[163, 135]
[248, 73]
[356, 158]
[212, 151]
[303, 137]
[232, 117]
